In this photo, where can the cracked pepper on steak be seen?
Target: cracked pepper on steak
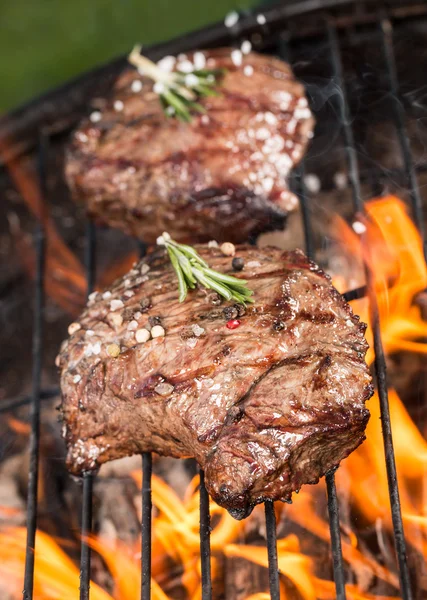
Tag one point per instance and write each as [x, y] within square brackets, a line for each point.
[264, 408]
[224, 173]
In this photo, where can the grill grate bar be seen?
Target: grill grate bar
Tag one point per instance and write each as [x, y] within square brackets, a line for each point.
[205, 540]
[380, 365]
[37, 351]
[344, 113]
[86, 528]
[399, 115]
[333, 510]
[147, 506]
[273, 567]
[334, 527]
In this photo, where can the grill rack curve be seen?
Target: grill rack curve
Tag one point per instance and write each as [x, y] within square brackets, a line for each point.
[330, 34]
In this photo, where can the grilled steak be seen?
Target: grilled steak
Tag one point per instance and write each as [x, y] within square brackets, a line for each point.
[266, 398]
[223, 174]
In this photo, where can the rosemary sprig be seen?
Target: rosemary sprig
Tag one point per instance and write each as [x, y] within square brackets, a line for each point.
[178, 92]
[191, 270]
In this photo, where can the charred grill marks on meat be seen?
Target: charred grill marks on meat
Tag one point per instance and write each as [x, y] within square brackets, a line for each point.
[264, 407]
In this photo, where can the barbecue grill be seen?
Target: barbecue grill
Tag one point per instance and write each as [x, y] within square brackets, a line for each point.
[282, 29]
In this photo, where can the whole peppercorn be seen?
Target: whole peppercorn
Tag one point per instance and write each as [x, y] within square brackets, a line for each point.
[153, 321]
[278, 325]
[237, 263]
[230, 312]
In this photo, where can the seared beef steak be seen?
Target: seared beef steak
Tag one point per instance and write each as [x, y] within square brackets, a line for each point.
[263, 407]
[223, 175]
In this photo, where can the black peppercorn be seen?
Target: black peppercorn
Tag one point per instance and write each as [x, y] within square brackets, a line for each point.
[278, 325]
[145, 304]
[154, 321]
[230, 312]
[237, 263]
[241, 310]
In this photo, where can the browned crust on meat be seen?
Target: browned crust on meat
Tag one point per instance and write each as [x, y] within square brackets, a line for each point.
[224, 173]
[263, 408]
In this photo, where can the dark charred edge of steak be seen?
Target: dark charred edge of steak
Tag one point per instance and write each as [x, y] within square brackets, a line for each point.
[240, 212]
[240, 506]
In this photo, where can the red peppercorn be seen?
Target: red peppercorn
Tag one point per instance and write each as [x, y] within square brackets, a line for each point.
[233, 323]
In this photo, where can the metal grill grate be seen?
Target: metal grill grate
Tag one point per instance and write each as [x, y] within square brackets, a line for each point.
[275, 20]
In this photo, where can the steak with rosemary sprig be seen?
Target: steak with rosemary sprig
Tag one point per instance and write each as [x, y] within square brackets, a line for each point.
[222, 176]
[266, 397]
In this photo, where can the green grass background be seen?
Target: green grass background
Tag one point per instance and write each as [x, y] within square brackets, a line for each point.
[45, 42]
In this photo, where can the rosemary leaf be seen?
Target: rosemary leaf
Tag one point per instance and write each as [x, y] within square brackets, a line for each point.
[191, 269]
[180, 91]
[181, 281]
[225, 278]
[210, 283]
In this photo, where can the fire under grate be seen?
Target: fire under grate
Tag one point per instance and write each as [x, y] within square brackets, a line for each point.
[276, 23]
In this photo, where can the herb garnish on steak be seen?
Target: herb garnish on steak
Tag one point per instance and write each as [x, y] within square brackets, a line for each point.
[266, 397]
[222, 176]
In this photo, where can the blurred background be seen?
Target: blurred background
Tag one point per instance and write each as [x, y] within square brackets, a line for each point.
[46, 42]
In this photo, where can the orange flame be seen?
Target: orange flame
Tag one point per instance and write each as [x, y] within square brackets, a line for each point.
[392, 248]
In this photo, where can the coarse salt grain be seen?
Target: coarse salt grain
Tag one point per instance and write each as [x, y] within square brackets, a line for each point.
[166, 64]
[170, 110]
[133, 325]
[213, 244]
[92, 296]
[96, 348]
[159, 87]
[228, 249]
[113, 350]
[186, 66]
[90, 332]
[199, 60]
[157, 331]
[136, 86]
[191, 342]
[73, 328]
[144, 269]
[231, 19]
[252, 264]
[205, 119]
[96, 116]
[116, 304]
[312, 183]
[82, 137]
[340, 180]
[142, 336]
[118, 105]
[164, 389]
[246, 47]
[359, 227]
[106, 295]
[77, 378]
[197, 330]
[191, 80]
[236, 57]
[117, 319]
[248, 70]
[261, 20]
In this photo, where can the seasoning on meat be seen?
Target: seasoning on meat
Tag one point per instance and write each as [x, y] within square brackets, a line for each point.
[224, 174]
[264, 407]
